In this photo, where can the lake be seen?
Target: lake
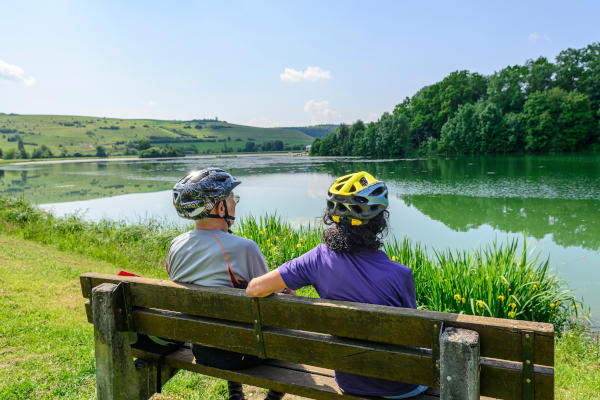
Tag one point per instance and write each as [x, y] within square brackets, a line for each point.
[459, 203]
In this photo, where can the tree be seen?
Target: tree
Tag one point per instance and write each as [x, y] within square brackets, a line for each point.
[540, 113]
[250, 146]
[10, 154]
[433, 105]
[539, 75]
[576, 122]
[506, 88]
[42, 152]
[101, 152]
[143, 144]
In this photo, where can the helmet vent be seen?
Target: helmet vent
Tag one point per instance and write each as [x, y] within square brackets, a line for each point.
[339, 187]
[330, 205]
[360, 199]
[353, 188]
[356, 209]
[363, 181]
[377, 191]
[344, 180]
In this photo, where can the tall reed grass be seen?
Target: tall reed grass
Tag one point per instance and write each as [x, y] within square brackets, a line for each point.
[499, 280]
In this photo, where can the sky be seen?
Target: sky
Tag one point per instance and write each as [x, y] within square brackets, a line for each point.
[264, 63]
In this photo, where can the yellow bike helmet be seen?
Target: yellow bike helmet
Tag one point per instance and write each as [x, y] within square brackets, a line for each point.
[356, 198]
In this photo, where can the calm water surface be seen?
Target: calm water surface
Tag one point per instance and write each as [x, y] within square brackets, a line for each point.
[443, 203]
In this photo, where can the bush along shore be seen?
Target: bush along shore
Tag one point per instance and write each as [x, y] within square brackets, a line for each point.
[500, 280]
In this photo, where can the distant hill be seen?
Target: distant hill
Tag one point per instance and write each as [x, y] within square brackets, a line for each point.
[81, 135]
[316, 131]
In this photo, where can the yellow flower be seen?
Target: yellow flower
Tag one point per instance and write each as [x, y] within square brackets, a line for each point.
[463, 300]
[535, 287]
[394, 258]
[509, 289]
[552, 305]
[298, 245]
[557, 303]
[576, 307]
[301, 240]
[276, 237]
[513, 305]
[479, 303]
[260, 232]
[501, 298]
[511, 314]
[518, 264]
[457, 297]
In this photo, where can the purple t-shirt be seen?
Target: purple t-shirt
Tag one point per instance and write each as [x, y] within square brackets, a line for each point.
[361, 277]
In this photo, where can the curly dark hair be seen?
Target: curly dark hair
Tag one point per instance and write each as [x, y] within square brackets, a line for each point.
[342, 237]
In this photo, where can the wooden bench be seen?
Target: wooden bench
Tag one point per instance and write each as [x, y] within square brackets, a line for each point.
[306, 339]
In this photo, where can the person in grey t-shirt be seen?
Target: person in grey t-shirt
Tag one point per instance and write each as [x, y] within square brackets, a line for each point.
[211, 256]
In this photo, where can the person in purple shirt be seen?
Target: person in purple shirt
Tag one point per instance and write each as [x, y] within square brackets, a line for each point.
[349, 266]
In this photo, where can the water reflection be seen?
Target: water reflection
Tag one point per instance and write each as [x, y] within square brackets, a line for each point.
[570, 222]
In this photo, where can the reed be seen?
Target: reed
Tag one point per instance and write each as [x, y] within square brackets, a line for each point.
[504, 280]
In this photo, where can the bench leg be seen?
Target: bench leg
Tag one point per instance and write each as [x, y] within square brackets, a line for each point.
[117, 377]
[459, 364]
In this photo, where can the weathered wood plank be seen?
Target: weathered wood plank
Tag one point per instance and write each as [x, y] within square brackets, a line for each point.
[502, 379]
[500, 338]
[116, 376]
[285, 377]
[213, 302]
[224, 335]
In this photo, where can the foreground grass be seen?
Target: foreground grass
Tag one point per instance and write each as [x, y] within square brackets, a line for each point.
[47, 345]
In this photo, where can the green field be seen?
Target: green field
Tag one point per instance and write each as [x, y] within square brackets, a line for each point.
[79, 136]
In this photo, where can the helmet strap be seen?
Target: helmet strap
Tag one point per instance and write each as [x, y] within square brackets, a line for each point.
[228, 218]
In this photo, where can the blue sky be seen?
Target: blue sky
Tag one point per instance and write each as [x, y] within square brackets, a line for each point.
[185, 60]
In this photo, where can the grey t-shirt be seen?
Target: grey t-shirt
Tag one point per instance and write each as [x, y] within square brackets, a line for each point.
[214, 258]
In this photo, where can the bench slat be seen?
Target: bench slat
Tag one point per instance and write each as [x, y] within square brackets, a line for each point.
[212, 302]
[285, 377]
[499, 338]
[210, 332]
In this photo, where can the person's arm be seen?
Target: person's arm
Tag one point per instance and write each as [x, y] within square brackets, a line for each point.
[266, 284]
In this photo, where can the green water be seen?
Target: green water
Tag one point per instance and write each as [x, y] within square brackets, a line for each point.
[443, 203]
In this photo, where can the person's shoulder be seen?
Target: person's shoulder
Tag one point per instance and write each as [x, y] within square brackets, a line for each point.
[182, 237]
[241, 242]
[400, 269]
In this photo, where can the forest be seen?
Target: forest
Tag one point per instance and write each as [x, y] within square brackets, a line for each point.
[538, 107]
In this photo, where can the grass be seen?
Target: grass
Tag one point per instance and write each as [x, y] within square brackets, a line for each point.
[81, 134]
[47, 345]
[496, 281]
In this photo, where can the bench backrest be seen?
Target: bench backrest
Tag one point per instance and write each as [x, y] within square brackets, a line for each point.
[517, 357]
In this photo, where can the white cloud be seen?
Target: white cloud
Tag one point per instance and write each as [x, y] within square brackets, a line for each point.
[309, 74]
[9, 72]
[534, 37]
[151, 103]
[320, 112]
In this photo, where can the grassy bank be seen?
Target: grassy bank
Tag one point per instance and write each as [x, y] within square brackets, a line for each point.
[499, 280]
[47, 345]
